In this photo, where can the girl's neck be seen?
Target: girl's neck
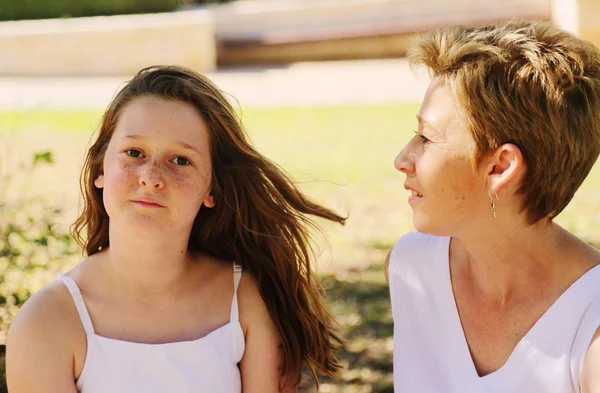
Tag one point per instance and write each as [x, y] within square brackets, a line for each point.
[144, 264]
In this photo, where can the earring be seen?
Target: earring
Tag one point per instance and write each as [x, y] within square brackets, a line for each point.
[493, 204]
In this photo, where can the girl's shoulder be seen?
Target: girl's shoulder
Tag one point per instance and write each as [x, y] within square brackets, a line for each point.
[50, 308]
[48, 323]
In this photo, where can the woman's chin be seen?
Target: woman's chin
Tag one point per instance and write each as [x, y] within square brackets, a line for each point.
[427, 225]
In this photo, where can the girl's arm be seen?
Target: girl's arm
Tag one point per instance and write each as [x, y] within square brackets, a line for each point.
[260, 366]
[386, 267]
[40, 344]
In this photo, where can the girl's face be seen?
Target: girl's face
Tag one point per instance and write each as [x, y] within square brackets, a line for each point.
[157, 167]
[447, 194]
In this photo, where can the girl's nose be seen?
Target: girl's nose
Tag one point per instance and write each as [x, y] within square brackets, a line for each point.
[151, 176]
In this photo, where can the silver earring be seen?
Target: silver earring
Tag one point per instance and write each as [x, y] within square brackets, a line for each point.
[492, 203]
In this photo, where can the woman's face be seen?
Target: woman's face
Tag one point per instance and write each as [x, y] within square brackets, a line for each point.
[157, 167]
[447, 194]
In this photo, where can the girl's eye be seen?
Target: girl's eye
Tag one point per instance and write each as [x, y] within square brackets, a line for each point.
[181, 161]
[133, 153]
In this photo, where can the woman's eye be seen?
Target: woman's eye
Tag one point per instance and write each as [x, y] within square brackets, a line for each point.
[423, 138]
[181, 161]
[133, 153]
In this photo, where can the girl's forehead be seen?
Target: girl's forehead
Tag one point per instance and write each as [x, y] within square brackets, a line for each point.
[159, 119]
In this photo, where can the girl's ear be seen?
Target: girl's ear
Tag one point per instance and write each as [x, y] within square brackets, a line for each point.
[209, 201]
[99, 182]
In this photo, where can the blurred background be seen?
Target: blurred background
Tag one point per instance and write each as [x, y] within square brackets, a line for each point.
[321, 86]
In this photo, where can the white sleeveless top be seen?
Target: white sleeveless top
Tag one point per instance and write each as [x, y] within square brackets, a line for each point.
[431, 354]
[205, 365]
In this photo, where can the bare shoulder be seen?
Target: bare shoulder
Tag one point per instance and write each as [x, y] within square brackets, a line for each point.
[41, 342]
[263, 356]
[251, 304]
[579, 251]
[590, 374]
[47, 313]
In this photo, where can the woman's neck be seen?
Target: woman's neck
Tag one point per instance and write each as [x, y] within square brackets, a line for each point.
[502, 265]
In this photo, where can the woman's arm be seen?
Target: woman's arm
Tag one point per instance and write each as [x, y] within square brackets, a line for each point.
[590, 375]
[39, 347]
[260, 366]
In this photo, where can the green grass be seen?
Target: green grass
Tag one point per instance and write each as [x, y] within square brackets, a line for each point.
[50, 121]
[342, 157]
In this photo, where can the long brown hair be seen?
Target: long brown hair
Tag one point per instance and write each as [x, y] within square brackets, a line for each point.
[260, 218]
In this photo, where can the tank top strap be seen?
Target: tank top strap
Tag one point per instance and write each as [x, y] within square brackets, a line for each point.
[237, 275]
[79, 303]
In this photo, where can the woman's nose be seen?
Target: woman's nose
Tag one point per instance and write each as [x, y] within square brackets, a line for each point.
[404, 161]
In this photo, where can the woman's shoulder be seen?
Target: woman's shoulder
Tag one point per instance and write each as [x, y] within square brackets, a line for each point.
[414, 252]
[418, 245]
[416, 239]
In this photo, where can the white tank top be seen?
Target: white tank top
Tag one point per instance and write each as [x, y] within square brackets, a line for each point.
[205, 365]
[431, 354]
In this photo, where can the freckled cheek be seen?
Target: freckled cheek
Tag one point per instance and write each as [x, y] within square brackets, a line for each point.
[122, 175]
[190, 185]
[463, 189]
[119, 181]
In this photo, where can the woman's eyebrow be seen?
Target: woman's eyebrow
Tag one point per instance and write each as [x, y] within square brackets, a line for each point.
[429, 124]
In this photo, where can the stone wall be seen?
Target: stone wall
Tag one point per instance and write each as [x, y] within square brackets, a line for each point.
[284, 31]
[259, 31]
[113, 45]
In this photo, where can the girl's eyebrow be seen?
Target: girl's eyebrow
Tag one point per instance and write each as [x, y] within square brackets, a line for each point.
[180, 143]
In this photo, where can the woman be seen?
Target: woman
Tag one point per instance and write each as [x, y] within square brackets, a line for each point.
[491, 295]
[198, 274]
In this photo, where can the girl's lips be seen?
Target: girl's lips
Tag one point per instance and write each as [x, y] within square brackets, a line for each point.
[148, 204]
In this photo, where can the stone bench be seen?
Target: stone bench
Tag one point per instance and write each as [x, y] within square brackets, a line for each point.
[107, 45]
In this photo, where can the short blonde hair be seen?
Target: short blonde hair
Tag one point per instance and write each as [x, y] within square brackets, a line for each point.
[529, 84]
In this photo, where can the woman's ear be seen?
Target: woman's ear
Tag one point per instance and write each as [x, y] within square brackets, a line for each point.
[99, 182]
[505, 167]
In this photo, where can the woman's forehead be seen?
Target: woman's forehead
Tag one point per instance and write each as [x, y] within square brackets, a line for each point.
[440, 109]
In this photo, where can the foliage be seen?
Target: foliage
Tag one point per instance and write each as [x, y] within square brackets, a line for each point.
[192, 2]
[35, 9]
[32, 245]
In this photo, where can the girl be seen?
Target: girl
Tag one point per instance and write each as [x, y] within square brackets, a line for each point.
[198, 274]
